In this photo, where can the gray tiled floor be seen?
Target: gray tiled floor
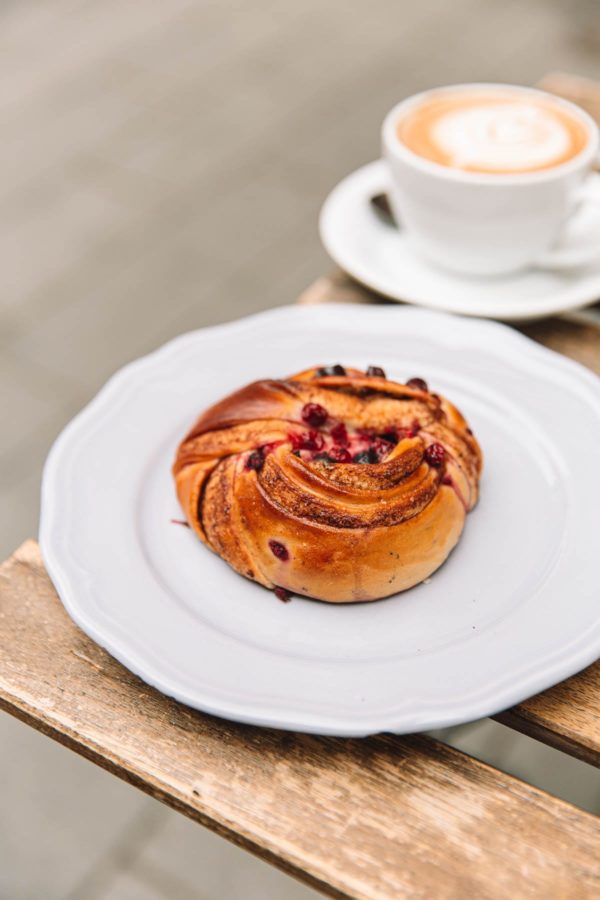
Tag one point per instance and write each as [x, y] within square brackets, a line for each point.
[163, 165]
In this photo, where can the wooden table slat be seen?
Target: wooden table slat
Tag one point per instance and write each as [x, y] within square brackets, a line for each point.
[373, 818]
[566, 716]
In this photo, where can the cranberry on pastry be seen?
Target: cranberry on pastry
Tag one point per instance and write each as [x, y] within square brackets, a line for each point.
[333, 483]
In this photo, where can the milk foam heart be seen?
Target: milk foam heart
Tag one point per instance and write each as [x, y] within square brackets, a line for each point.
[492, 132]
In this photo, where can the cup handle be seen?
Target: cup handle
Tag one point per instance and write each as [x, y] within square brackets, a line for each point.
[575, 257]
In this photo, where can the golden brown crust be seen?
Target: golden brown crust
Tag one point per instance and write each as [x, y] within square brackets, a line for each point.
[258, 484]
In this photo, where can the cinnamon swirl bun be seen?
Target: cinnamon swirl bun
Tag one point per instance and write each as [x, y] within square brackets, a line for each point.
[334, 483]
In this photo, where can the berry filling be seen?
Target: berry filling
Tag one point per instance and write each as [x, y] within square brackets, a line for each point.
[312, 440]
[435, 455]
[339, 435]
[339, 455]
[256, 460]
[418, 383]
[314, 414]
[413, 429]
[279, 550]
[282, 594]
[365, 456]
[330, 370]
[380, 447]
[339, 444]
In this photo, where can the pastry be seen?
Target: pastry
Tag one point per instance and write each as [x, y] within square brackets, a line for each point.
[334, 483]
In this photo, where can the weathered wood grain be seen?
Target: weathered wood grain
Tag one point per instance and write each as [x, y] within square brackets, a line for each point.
[579, 340]
[566, 716]
[379, 818]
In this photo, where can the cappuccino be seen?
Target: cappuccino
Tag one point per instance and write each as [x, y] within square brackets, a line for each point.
[492, 132]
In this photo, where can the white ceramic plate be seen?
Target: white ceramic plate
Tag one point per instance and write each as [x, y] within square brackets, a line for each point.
[382, 258]
[514, 610]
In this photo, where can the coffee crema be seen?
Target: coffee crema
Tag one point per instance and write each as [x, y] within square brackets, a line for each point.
[492, 132]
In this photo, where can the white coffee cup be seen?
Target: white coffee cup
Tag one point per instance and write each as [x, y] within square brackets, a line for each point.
[489, 224]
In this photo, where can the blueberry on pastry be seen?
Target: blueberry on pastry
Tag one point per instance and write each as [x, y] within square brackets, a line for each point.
[333, 483]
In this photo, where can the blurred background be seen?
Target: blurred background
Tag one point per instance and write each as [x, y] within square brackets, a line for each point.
[163, 167]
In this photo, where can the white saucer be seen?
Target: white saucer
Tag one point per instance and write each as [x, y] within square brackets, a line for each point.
[380, 257]
[513, 611]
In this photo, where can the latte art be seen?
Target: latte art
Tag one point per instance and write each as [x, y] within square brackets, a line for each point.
[505, 138]
[492, 133]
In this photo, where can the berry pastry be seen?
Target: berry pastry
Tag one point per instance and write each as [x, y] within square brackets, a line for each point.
[333, 483]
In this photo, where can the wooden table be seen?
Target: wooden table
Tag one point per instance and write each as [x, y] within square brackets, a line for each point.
[380, 817]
